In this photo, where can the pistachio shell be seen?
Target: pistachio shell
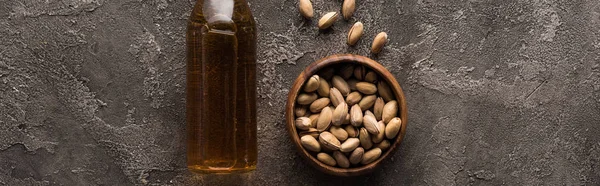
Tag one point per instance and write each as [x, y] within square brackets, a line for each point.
[300, 111]
[318, 105]
[341, 159]
[306, 98]
[360, 72]
[365, 139]
[352, 84]
[350, 144]
[371, 125]
[369, 113]
[339, 114]
[377, 138]
[348, 8]
[377, 108]
[303, 123]
[353, 98]
[384, 145]
[352, 132]
[371, 77]
[323, 89]
[356, 116]
[366, 87]
[346, 120]
[356, 155]
[379, 42]
[329, 141]
[339, 133]
[346, 71]
[313, 119]
[335, 96]
[311, 132]
[306, 8]
[327, 20]
[393, 127]
[339, 83]
[310, 143]
[324, 120]
[326, 159]
[371, 156]
[312, 84]
[367, 102]
[384, 91]
[355, 33]
[390, 110]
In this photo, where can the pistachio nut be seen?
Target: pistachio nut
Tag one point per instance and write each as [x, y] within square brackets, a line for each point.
[352, 83]
[313, 119]
[300, 111]
[365, 139]
[346, 71]
[329, 141]
[355, 33]
[310, 132]
[390, 110]
[377, 108]
[326, 159]
[377, 138]
[335, 96]
[312, 84]
[339, 114]
[352, 132]
[341, 159]
[310, 143]
[371, 156]
[393, 127]
[339, 83]
[348, 8]
[318, 105]
[303, 123]
[384, 91]
[371, 125]
[327, 20]
[306, 98]
[371, 77]
[350, 144]
[323, 89]
[379, 42]
[366, 87]
[368, 112]
[324, 120]
[360, 72]
[353, 98]
[356, 155]
[339, 133]
[367, 102]
[384, 145]
[356, 116]
[306, 8]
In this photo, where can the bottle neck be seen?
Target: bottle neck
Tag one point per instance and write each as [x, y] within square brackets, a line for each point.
[218, 10]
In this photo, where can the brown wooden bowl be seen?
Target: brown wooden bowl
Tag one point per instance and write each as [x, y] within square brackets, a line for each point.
[312, 69]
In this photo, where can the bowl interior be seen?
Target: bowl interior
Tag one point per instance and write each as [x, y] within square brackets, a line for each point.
[333, 60]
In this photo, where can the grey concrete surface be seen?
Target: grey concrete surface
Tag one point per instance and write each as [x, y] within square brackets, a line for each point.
[499, 92]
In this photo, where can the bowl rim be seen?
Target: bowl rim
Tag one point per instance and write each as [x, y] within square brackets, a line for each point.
[312, 69]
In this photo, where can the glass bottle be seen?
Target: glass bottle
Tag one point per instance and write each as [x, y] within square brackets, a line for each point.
[221, 87]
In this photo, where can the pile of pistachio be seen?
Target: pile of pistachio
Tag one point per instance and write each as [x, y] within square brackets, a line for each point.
[346, 118]
[348, 7]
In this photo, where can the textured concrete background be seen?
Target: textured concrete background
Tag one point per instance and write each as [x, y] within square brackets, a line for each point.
[499, 92]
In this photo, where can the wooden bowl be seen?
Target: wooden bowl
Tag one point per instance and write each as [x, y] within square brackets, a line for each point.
[312, 69]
